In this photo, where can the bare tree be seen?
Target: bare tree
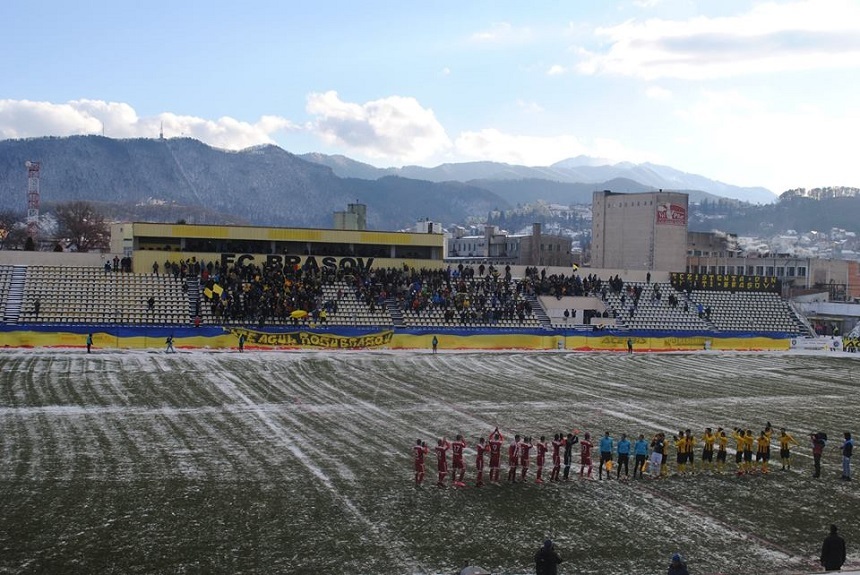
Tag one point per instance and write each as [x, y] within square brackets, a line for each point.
[8, 219]
[15, 238]
[12, 229]
[81, 227]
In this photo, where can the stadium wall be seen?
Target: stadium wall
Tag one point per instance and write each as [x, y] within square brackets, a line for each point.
[209, 337]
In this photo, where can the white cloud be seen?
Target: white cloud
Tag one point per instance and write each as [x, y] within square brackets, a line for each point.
[555, 70]
[658, 93]
[646, 3]
[395, 128]
[714, 103]
[446, 71]
[529, 107]
[494, 145]
[771, 37]
[800, 146]
[25, 118]
[502, 33]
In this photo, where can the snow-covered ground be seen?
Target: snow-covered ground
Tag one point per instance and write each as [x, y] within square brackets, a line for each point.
[140, 461]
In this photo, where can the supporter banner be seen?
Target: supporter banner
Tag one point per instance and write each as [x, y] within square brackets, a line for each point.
[671, 214]
[724, 282]
[818, 343]
[654, 341]
[308, 263]
[215, 338]
[310, 339]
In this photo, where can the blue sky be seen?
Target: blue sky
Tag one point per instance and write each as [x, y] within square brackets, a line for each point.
[750, 93]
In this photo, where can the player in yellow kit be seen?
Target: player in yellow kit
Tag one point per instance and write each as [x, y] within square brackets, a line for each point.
[689, 448]
[681, 446]
[762, 451]
[740, 441]
[768, 432]
[708, 450]
[785, 441]
[749, 442]
[722, 441]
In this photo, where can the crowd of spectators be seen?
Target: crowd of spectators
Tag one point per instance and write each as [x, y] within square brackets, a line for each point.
[255, 294]
[561, 285]
[459, 295]
[463, 297]
[466, 295]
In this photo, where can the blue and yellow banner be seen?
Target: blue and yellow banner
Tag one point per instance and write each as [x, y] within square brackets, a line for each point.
[284, 338]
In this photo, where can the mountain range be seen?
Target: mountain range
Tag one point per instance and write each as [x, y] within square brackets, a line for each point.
[165, 180]
[182, 178]
[584, 171]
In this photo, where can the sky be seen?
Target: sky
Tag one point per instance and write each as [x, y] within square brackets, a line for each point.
[748, 93]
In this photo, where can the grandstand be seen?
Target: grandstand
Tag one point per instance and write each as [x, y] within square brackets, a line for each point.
[748, 311]
[401, 301]
[655, 308]
[88, 295]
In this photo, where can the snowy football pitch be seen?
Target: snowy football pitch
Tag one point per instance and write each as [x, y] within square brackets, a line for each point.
[198, 462]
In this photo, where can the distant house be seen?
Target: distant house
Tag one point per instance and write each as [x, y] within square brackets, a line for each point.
[498, 246]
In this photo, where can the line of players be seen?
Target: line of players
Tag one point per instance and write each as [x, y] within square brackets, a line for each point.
[561, 448]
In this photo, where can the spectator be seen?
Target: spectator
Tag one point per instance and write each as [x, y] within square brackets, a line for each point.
[833, 551]
[37, 305]
[150, 303]
[677, 566]
[819, 440]
[547, 560]
[847, 450]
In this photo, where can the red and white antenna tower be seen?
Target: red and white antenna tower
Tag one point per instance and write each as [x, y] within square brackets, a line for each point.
[32, 198]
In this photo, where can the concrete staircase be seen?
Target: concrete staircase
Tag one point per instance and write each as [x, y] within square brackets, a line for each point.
[15, 299]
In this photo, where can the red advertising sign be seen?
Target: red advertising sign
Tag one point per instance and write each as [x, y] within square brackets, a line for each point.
[671, 214]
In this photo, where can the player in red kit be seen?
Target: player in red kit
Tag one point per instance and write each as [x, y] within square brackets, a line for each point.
[495, 442]
[513, 458]
[420, 450]
[585, 454]
[541, 456]
[459, 468]
[557, 443]
[480, 448]
[442, 447]
[525, 447]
